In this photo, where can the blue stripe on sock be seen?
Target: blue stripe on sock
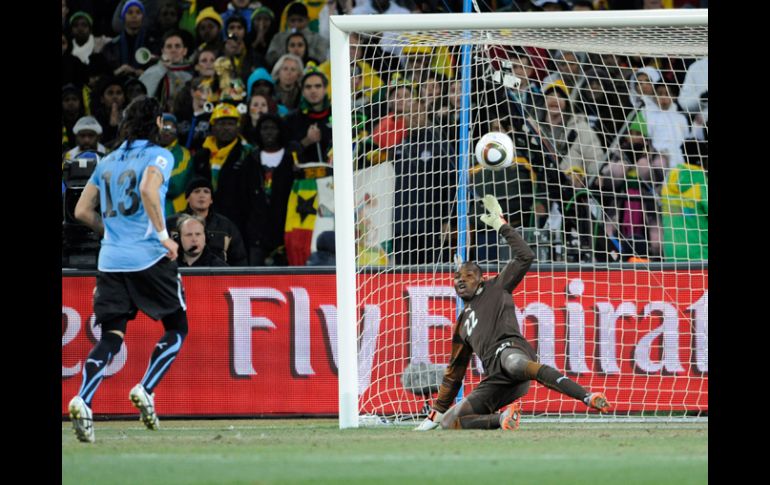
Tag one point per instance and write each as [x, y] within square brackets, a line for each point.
[153, 364]
[84, 391]
[160, 373]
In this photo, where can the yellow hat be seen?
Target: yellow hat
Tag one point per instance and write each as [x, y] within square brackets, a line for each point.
[209, 13]
[224, 110]
[557, 84]
[417, 49]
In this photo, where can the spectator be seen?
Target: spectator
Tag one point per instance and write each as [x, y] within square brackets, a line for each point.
[132, 88]
[192, 242]
[73, 71]
[166, 78]
[286, 74]
[685, 207]
[573, 140]
[208, 29]
[108, 107]
[182, 173]
[222, 236]
[243, 9]
[694, 97]
[297, 20]
[87, 131]
[223, 159]
[71, 111]
[259, 104]
[297, 44]
[260, 82]
[84, 44]
[424, 191]
[641, 89]
[269, 178]
[325, 254]
[389, 40]
[311, 124]
[120, 52]
[667, 127]
[193, 112]
[167, 19]
[204, 63]
[262, 28]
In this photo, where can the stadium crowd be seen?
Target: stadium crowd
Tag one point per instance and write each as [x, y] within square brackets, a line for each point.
[611, 150]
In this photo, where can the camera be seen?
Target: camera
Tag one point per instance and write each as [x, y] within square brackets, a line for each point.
[80, 245]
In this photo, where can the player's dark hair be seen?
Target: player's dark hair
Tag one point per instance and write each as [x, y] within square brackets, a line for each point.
[140, 120]
[475, 265]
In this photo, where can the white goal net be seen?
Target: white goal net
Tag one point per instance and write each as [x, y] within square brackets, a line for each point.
[608, 113]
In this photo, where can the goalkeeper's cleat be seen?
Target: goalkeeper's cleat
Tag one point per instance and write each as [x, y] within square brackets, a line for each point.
[82, 419]
[509, 419]
[145, 403]
[599, 401]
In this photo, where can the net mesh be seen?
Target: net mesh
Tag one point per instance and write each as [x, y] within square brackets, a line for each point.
[610, 167]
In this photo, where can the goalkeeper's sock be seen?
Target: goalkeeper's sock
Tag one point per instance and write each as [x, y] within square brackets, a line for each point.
[477, 421]
[553, 379]
[164, 354]
[96, 364]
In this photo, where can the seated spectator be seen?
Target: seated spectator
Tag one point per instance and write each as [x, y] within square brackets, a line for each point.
[325, 254]
[222, 236]
[192, 243]
[87, 131]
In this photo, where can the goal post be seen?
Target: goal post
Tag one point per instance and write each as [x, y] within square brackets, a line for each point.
[615, 313]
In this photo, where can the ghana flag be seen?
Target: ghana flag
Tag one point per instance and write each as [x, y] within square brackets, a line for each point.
[302, 211]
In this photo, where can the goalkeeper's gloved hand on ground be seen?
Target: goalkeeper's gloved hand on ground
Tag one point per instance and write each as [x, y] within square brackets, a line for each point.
[431, 422]
[494, 216]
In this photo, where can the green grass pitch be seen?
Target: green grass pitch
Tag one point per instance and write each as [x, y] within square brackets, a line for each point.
[316, 451]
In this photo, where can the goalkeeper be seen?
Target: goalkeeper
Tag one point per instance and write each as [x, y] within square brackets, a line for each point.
[488, 327]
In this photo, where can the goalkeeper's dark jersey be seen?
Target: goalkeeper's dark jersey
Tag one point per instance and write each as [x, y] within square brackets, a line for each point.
[488, 321]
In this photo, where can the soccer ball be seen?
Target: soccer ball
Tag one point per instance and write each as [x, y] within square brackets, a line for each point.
[495, 151]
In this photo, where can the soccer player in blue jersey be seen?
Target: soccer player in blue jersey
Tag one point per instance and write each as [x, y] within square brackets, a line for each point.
[124, 202]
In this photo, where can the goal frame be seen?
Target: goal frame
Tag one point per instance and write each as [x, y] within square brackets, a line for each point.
[340, 27]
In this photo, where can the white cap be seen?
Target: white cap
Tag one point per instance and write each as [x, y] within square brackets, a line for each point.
[87, 123]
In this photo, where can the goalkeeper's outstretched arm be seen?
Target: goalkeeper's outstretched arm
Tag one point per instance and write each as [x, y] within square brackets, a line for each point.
[523, 256]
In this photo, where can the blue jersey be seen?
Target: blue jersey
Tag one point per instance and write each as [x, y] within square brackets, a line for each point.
[130, 242]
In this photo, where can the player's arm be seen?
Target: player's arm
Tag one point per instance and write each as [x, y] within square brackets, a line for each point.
[452, 381]
[523, 256]
[86, 209]
[149, 189]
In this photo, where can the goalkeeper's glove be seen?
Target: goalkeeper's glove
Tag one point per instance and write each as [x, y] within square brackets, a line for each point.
[494, 216]
[431, 422]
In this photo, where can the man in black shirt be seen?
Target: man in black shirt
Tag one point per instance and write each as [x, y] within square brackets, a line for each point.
[192, 242]
[488, 327]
